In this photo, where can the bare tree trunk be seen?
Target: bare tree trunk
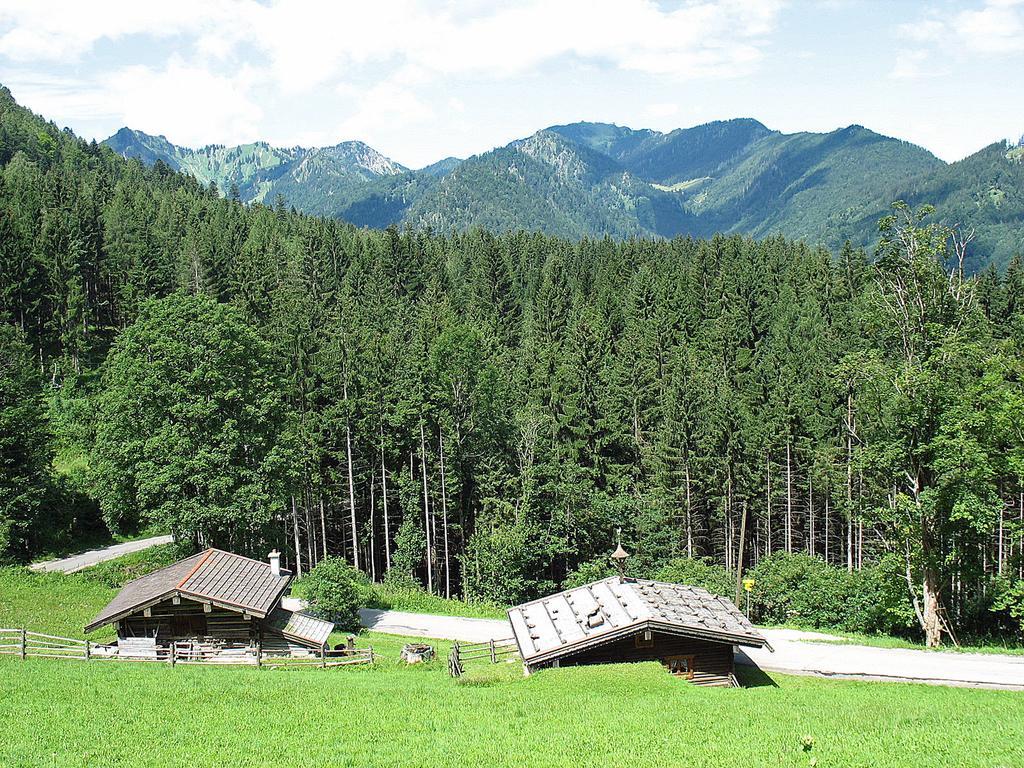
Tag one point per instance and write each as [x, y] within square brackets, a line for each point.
[689, 513]
[827, 495]
[351, 490]
[444, 516]
[768, 496]
[999, 544]
[426, 508]
[931, 623]
[298, 544]
[310, 532]
[739, 557]
[731, 528]
[373, 546]
[789, 500]
[384, 495]
[849, 481]
[323, 525]
[810, 514]
[860, 544]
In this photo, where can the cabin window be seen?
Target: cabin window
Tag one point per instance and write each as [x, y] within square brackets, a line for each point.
[681, 666]
[644, 640]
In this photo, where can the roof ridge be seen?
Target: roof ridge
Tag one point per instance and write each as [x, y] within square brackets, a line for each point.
[196, 567]
[241, 557]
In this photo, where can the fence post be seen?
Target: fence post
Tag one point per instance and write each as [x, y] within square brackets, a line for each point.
[323, 656]
[88, 655]
[371, 654]
[172, 659]
[494, 659]
[24, 645]
[259, 654]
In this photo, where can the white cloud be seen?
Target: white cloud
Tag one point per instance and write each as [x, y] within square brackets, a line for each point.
[996, 27]
[186, 103]
[64, 30]
[312, 41]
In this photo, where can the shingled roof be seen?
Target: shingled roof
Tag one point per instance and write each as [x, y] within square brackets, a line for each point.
[296, 625]
[607, 610]
[213, 576]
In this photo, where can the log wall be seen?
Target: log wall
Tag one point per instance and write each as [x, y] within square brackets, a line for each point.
[712, 662]
[168, 622]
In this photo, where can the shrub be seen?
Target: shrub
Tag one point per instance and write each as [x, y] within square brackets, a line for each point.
[803, 590]
[592, 570]
[332, 592]
[698, 572]
[1009, 600]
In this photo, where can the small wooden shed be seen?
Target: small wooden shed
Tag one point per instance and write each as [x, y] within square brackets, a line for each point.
[217, 598]
[688, 629]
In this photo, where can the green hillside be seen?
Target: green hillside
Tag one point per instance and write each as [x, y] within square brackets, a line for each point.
[596, 179]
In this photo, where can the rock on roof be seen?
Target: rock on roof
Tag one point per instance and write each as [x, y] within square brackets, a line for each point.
[606, 610]
[213, 576]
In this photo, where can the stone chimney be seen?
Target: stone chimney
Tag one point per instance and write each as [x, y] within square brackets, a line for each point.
[275, 563]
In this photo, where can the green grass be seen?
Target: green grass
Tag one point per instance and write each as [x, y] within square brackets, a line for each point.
[72, 713]
[418, 601]
[398, 598]
[62, 604]
[65, 713]
[55, 603]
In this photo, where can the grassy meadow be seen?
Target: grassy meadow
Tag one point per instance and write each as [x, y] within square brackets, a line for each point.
[112, 714]
[103, 713]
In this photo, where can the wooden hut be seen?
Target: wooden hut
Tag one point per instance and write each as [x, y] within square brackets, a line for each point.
[689, 630]
[215, 601]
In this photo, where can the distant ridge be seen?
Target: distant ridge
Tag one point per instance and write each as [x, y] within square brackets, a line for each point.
[597, 179]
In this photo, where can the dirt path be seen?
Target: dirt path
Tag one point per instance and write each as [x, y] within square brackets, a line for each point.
[94, 556]
[796, 652]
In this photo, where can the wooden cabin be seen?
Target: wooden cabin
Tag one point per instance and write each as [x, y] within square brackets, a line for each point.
[214, 600]
[690, 631]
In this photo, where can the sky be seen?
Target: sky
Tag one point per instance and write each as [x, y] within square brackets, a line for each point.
[421, 80]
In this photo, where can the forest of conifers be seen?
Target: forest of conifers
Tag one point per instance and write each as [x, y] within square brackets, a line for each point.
[482, 413]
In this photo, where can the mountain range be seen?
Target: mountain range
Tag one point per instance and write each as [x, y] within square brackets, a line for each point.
[597, 179]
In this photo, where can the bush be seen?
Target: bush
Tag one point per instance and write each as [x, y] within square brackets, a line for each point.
[1009, 601]
[698, 572]
[332, 592]
[803, 590]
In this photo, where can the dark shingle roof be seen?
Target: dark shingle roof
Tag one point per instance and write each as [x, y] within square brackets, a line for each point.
[225, 579]
[608, 609]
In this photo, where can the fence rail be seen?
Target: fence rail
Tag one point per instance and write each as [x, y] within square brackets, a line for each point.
[492, 651]
[26, 644]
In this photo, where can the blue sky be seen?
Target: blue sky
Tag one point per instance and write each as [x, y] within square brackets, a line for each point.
[422, 80]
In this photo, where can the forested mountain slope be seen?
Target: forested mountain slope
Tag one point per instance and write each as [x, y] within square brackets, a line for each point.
[733, 176]
[480, 412]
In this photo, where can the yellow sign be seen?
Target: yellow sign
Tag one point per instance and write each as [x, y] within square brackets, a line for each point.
[748, 584]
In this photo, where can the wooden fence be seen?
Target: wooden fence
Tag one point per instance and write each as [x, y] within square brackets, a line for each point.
[25, 644]
[491, 652]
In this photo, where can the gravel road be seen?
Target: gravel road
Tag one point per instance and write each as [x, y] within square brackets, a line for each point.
[94, 556]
